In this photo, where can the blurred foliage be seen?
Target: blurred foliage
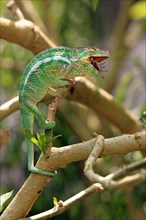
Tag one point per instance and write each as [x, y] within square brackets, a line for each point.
[76, 23]
[93, 3]
[138, 10]
[3, 200]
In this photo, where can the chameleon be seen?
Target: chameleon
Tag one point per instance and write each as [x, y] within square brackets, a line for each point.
[53, 68]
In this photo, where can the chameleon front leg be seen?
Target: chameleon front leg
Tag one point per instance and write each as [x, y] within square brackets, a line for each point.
[37, 114]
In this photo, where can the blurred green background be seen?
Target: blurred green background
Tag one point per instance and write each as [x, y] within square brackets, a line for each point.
[115, 25]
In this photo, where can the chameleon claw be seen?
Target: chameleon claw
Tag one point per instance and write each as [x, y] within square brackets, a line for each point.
[50, 124]
[47, 124]
[42, 172]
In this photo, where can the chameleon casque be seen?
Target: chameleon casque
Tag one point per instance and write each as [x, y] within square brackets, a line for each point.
[53, 68]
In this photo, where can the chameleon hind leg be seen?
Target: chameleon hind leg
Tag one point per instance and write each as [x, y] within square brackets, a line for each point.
[30, 148]
[37, 114]
[31, 167]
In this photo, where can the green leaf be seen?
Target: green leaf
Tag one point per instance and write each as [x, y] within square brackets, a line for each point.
[95, 134]
[57, 136]
[48, 133]
[47, 136]
[138, 10]
[40, 137]
[92, 3]
[142, 119]
[55, 202]
[30, 137]
[4, 198]
[35, 141]
[43, 139]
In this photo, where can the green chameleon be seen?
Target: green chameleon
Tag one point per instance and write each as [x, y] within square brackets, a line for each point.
[53, 68]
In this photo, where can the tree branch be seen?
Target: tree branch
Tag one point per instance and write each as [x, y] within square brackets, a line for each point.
[94, 188]
[59, 158]
[15, 11]
[63, 206]
[9, 107]
[36, 41]
[109, 181]
[128, 169]
[102, 102]
[99, 100]
[15, 32]
[30, 13]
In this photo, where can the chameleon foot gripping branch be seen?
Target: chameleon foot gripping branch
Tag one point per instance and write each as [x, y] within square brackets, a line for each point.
[53, 68]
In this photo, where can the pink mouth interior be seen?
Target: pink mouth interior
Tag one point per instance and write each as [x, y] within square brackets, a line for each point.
[95, 62]
[97, 59]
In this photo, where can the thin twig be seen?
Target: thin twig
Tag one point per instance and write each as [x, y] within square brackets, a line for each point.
[51, 116]
[30, 13]
[54, 105]
[62, 206]
[15, 11]
[124, 170]
[95, 153]
[130, 180]
[109, 181]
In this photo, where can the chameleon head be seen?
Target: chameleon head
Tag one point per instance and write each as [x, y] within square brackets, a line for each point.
[91, 58]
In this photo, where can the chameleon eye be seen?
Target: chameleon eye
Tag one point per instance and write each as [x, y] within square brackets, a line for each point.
[92, 49]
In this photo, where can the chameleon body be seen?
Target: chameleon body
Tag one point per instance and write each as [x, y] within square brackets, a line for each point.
[52, 68]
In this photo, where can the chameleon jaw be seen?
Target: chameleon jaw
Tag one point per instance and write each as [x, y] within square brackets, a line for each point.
[95, 62]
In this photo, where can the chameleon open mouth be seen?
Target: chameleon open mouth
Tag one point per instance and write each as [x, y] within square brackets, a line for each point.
[95, 61]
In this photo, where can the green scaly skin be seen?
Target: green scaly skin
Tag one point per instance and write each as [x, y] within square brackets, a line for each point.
[53, 68]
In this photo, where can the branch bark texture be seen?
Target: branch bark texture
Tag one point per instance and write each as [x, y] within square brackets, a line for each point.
[102, 102]
[59, 158]
[94, 188]
[15, 32]
[99, 100]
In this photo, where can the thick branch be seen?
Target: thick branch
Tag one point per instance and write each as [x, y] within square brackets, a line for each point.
[30, 13]
[59, 158]
[98, 100]
[102, 102]
[36, 41]
[9, 107]
[15, 32]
